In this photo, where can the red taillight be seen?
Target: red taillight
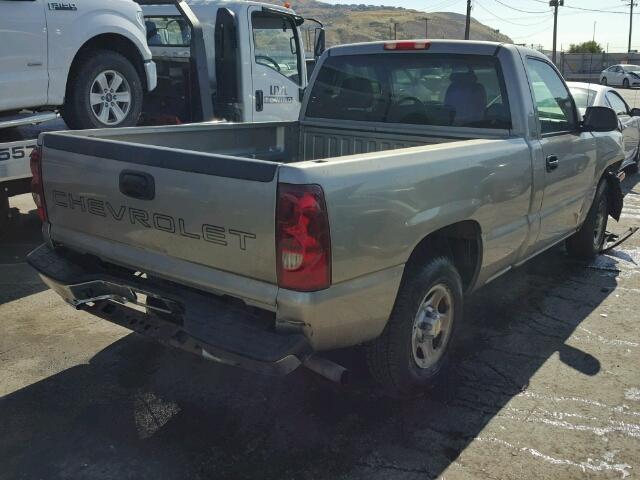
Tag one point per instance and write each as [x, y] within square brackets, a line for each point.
[37, 187]
[411, 45]
[303, 244]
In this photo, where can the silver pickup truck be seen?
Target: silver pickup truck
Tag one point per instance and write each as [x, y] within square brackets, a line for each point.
[418, 172]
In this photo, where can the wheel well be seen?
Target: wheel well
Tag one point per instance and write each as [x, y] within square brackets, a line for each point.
[462, 242]
[115, 43]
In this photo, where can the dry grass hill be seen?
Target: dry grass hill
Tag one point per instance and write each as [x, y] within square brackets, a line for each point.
[363, 23]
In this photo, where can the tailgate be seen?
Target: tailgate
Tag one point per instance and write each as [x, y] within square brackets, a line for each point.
[178, 209]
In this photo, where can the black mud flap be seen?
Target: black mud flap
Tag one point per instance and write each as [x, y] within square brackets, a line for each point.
[615, 198]
[612, 240]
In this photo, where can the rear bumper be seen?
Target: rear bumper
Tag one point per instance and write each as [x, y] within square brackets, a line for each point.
[188, 319]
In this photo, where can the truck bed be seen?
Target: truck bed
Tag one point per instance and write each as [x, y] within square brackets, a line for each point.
[281, 142]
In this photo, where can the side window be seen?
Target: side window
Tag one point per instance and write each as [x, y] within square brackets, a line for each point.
[617, 104]
[276, 44]
[554, 104]
[167, 31]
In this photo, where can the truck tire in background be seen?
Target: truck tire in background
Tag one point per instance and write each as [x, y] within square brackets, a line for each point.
[587, 242]
[104, 90]
[415, 346]
[4, 210]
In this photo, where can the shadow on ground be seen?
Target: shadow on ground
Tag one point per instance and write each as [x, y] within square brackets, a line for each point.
[140, 410]
[21, 235]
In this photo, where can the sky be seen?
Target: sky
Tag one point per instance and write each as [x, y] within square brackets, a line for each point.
[531, 21]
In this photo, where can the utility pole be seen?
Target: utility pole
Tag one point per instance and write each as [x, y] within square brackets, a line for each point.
[426, 27]
[468, 23]
[395, 30]
[631, 5]
[555, 4]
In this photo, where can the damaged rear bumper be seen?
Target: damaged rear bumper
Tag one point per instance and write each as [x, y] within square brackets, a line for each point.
[216, 328]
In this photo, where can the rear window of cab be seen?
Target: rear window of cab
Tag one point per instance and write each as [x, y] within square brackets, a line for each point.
[412, 88]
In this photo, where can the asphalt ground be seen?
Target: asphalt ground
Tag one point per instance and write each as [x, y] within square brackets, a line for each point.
[545, 384]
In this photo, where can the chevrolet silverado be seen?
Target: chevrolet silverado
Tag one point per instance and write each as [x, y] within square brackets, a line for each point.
[418, 172]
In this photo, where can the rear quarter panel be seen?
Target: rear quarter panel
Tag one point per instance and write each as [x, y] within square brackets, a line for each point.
[381, 205]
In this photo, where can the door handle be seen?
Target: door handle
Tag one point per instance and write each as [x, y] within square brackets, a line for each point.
[552, 163]
[138, 185]
[259, 100]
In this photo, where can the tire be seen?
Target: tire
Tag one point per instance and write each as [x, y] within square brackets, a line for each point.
[398, 359]
[587, 242]
[603, 81]
[625, 83]
[97, 71]
[4, 210]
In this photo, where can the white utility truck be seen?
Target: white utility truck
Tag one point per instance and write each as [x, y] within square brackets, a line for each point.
[240, 61]
[87, 60]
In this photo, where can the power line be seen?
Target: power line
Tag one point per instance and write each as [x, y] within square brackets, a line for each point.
[508, 21]
[597, 10]
[518, 9]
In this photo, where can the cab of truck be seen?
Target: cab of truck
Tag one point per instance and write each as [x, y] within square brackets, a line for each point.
[252, 56]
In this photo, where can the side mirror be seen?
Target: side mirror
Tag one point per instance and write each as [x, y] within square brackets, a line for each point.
[635, 112]
[320, 44]
[600, 119]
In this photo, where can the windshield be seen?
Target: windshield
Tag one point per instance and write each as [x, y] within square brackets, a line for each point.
[276, 44]
[416, 88]
[631, 68]
[583, 97]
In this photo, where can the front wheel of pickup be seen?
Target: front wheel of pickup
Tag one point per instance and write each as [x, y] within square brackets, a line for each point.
[587, 242]
[415, 346]
[104, 91]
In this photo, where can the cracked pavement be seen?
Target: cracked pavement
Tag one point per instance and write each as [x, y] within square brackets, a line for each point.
[545, 384]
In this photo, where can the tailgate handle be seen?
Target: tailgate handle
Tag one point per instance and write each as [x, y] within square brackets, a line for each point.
[138, 185]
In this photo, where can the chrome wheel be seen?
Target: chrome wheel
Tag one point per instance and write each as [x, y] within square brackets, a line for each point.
[110, 97]
[600, 225]
[432, 326]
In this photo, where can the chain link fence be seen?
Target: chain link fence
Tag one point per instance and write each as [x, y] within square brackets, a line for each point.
[586, 67]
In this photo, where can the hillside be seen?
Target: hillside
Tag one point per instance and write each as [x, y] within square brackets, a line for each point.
[363, 23]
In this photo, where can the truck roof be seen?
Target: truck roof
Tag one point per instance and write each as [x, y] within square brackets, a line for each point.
[421, 45]
[469, 47]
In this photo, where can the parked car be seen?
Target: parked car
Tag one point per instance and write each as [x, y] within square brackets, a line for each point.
[589, 95]
[626, 76]
[418, 172]
[90, 59]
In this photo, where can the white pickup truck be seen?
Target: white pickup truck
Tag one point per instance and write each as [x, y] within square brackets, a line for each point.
[88, 59]
[418, 172]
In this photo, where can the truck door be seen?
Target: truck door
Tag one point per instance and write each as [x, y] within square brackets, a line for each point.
[277, 65]
[567, 153]
[23, 54]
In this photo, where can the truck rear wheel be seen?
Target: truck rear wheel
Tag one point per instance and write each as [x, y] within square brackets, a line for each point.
[415, 346]
[587, 242]
[104, 91]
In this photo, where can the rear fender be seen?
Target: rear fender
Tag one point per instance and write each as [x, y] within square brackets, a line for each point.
[615, 199]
